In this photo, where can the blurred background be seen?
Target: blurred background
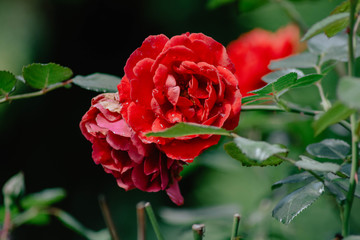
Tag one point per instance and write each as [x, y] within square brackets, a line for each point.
[41, 137]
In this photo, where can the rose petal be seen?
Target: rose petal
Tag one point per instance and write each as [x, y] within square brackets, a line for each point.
[150, 48]
[141, 87]
[119, 127]
[173, 191]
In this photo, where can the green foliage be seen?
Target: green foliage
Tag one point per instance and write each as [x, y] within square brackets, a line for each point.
[344, 184]
[331, 24]
[41, 76]
[232, 149]
[302, 60]
[296, 178]
[76, 226]
[255, 153]
[335, 114]
[294, 203]
[185, 129]
[275, 75]
[310, 164]
[329, 148]
[44, 198]
[13, 189]
[7, 82]
[348, 91]
[98, 82]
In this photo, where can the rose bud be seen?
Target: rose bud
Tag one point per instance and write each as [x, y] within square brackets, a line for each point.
[188, 78]
[120, 152]
[252, 52]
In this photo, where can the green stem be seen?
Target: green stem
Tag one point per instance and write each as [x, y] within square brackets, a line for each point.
[352, 180]
[8, 98]
[198, 231]
[353, 120]
[292, 161]
[153, 221]
[235, 227]
[325, 103]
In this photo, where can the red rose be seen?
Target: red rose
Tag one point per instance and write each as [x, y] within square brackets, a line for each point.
[251, 53]
[119, 150]
[188, 78]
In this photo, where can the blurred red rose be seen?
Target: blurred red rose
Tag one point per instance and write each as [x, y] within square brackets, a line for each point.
[251, 53]
[120, 152]
[188, 78]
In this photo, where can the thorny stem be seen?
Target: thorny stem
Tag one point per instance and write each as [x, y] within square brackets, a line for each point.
[353, 120]
[8, 98]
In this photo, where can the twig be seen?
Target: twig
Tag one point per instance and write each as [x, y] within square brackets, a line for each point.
[198, 231]
[35, 94]
[235, 227]
[141, 224]
[107, 216]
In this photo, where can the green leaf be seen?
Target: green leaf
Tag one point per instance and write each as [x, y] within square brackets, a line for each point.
[212, 4]
[98, 82]
[300, 177]
[335, 114]
[302, 60]
[273, 76]
[232, 149]
[336, 191]
[44, 198]
[310, 164]
[334, 48]
[327, 24]
[13, 188]
[286, 82]
[279, 85]
[40, 76]
[329, 148]
[7, 82]
[294, 203]
[307, 80]
[348, 91]
[258, 150]
[73, 224]
[185, 129]
[336, 27]
[255, 98]
[344, 184]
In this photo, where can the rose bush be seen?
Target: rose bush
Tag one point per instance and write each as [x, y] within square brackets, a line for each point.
[252, 52]
[188, 78]
[120, 151]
